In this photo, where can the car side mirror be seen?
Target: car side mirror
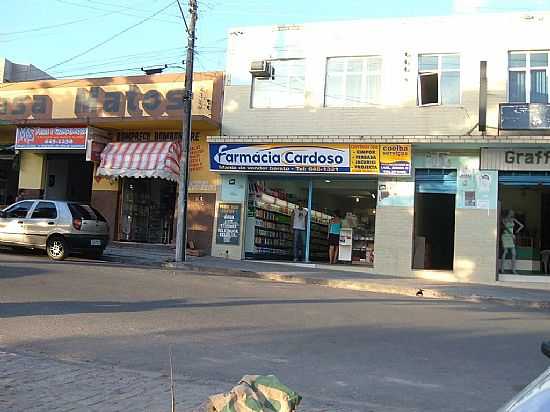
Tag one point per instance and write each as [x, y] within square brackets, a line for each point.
[545, 348]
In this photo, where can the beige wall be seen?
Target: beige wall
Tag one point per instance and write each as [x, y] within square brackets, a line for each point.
[395, 40]
[32, 170]
[393, 240]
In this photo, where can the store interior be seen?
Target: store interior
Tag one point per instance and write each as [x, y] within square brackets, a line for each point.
[531, 207]
[269, 232]
[9, 179]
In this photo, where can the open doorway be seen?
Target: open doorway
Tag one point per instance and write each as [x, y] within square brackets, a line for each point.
[434, 219]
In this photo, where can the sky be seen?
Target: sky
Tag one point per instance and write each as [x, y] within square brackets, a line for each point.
[94, 38]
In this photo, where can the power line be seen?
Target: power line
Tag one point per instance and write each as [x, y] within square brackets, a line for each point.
[183, 16]
[111, 37]
[120, 11]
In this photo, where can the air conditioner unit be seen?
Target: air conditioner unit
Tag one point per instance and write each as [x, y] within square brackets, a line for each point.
[262, 69]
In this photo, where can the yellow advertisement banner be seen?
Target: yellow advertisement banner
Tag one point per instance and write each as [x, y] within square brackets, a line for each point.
[395, 159]
[364, 158]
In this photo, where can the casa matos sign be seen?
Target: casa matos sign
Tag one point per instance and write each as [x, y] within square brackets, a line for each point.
[383, 159]
[78, 99]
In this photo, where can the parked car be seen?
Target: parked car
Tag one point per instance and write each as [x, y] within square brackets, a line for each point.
[536, 396]
[58, 227]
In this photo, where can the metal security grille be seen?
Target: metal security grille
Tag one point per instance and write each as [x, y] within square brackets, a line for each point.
[435, 181]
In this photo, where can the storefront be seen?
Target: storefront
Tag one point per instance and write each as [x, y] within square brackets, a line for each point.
[524, 204]
[267, 185]
[116, 143]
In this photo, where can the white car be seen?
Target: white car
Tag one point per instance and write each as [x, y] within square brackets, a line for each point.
[536, 396]
[58, 227]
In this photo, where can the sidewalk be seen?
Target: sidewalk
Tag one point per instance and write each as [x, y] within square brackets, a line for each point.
[527, 295]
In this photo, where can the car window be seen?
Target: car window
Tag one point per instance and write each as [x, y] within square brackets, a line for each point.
[85, 212]
[44, 210]
[19, 210]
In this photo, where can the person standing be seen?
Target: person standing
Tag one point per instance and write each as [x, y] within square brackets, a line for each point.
[508, 238]
[334, 229]
[299, 216]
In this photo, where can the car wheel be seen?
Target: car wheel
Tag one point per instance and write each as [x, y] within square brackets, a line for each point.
[57, 248]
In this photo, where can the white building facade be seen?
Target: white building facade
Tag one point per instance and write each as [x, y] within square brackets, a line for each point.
[405, 89]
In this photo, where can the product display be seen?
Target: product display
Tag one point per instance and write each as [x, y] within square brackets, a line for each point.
[270, 219]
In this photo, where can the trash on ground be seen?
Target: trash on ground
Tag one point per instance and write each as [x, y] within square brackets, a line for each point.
[256, 393]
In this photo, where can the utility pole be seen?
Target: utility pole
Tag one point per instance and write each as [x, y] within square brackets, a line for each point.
[181, 234]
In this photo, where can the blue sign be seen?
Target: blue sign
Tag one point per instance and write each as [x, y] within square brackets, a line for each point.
[280, 158]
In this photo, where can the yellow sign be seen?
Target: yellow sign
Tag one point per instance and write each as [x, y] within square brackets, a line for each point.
[139, 98]
[395, 159]
[364, 158]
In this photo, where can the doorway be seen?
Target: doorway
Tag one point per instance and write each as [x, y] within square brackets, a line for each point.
[68, 177]
[434, 219]
[434, 228]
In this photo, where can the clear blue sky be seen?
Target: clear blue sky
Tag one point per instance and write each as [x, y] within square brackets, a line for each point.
[48, 32]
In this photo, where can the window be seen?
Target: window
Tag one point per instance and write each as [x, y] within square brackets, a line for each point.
[353, 81]
[44, 210]
[528, 77]
[438, 79]
[19, 210]
[85, 212]
[287, 89]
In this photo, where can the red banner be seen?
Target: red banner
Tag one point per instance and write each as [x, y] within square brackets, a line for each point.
[51, 138]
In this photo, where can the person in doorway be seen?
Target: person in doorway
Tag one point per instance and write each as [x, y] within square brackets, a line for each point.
[334, 228]
[508, 238]
[299, 216]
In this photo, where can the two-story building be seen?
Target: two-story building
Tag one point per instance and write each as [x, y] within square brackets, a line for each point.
[421, 133]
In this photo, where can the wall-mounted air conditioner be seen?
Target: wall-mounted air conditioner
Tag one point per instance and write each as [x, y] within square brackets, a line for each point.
[262, 70]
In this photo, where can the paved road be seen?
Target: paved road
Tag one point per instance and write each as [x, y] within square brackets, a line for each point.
[343, 350]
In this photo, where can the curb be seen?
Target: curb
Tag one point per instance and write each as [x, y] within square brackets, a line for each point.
[357, 285]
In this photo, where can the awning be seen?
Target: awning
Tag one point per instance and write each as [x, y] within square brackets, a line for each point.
[143, 159]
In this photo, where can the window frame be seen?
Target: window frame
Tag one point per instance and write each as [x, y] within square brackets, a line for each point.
[527, 70]
[31, 207]
[439, 71]
[364, 74]
[254, 80]
[36, 207]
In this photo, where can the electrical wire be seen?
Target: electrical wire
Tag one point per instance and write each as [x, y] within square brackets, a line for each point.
[183, 16]
[114, 36]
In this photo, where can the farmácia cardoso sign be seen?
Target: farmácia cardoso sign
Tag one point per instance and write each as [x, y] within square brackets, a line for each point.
[334, 158]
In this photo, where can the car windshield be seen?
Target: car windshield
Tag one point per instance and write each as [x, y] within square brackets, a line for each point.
[85, 212]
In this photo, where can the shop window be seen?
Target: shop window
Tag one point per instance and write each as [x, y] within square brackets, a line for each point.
[528, 76]
[44, 210]
[353, 81]
[438, 79]
[19, 210]
[434, 219]
[285, 89]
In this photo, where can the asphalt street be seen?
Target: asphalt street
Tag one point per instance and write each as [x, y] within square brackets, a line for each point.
[342, 350]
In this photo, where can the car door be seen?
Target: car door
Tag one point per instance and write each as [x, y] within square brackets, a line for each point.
[12, 225]
[42, 221]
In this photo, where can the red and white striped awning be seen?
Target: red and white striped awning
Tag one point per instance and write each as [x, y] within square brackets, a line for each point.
[143, 159]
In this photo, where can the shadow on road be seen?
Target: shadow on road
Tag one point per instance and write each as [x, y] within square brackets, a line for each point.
[67, 307]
